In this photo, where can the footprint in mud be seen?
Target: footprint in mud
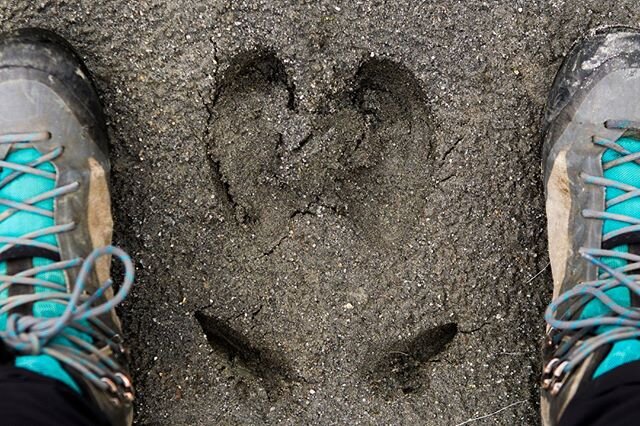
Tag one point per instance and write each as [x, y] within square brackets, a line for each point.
[403, 367]
[241, 357]
[361, 157]
[366, 156]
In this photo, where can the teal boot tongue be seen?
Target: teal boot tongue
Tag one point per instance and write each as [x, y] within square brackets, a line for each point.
[623, 351]
[20, 223]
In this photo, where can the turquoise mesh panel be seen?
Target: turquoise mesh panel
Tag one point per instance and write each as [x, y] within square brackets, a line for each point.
[626, 350]
[24, 187]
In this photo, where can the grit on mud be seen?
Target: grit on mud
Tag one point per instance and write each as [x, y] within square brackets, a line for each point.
[335, 208]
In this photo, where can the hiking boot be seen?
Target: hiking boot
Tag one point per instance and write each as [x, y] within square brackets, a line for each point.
[591, 163]
[56, 300]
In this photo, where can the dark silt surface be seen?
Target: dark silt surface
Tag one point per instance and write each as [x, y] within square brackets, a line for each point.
[335, 208]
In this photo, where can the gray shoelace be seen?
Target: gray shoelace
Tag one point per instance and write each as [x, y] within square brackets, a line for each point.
[73, 337]
[576, 338]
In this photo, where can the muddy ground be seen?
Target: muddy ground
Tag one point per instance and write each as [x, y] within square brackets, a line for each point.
[335, 208]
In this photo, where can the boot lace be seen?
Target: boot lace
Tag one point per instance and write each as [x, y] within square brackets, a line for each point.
[77, 338]
[573, 338]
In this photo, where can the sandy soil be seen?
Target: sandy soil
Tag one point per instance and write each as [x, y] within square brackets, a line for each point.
[335, 208]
